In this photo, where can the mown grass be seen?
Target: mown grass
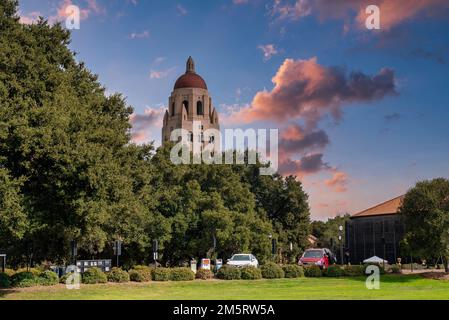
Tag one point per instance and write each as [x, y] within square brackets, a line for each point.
[392, 287]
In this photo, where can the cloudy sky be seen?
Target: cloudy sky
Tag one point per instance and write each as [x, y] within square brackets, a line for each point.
[362, 114]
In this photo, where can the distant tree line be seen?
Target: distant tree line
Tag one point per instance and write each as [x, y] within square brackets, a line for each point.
[69, 171]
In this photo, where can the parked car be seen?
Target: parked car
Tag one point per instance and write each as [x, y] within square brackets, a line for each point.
[243, 259]
[319, 257]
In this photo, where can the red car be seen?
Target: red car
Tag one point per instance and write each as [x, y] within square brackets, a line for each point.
[318, 257]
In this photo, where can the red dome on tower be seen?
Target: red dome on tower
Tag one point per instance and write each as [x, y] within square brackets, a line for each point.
[190, 79]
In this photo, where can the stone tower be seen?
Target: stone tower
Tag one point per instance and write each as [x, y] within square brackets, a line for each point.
[189, 102]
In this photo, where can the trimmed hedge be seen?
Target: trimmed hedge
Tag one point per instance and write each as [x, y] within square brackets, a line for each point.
[24, 279]
[354, 270]
[334, 271]
[395, 269]
[140, 274]
[250, 273]
[272, 271]
[182, 274]
[204, 274]
[229, 273]
[48, 278]
[118, 275]
[142, 267]
[293, 271]
[94, 276]
[161, 274]
[5, 282]
[313, 272]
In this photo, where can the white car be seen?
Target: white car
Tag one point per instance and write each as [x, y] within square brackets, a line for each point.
[242, 260]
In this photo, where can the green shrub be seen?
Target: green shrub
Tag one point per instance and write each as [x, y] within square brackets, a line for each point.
[118, 275]
[5, 282]
[94, 276]
[48, 278]
[63, 279]
[395, 269]
[228, 273]
[161, 274]
[354, 270]
[140, 275]
[34, 271]
[312, 271]
[24, 279]
[10, 272]
[272, 271]
[182, 274]
[204, 274]
[293, 271]
[142, 267]
[250, 273]
[334, 271]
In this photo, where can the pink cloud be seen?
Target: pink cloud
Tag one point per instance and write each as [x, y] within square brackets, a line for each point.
[338, 182]
[393, 12]
[143, 124]
[30, 18]
[90, 7]
[304, 89]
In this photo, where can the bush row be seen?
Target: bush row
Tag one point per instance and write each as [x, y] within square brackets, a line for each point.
[267, 271]
[345, 271]
[24, 279]
[270, 270]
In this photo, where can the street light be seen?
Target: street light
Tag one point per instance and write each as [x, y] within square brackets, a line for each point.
[273, 246]
[340, 228]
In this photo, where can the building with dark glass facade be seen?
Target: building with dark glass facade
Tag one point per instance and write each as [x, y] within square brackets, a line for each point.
[376, 231]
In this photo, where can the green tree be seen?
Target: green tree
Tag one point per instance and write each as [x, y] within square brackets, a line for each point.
[425, 212]
[69, 171]
[328, 232]
[285, 204]
[13, 219]
[69, 146]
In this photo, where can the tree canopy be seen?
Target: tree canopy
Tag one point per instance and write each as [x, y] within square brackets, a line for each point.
[69, 171]
[425, 212]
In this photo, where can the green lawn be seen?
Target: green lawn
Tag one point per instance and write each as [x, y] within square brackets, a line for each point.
[392, 287]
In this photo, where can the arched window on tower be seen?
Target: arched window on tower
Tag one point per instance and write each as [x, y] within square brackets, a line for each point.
[199, 108]
[172, 111]
[185, 104]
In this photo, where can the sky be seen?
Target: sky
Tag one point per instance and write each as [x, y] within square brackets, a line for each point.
[362, 114]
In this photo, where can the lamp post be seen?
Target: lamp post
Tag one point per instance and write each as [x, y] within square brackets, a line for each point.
[118, 250]
[340, 237]
[155, 252]
[273, 246]
[74, 250]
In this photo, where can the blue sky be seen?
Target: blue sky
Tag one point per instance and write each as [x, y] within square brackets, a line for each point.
[377, 148]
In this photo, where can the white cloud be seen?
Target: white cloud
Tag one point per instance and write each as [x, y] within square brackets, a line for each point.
[268, 50]
[140, 35]
[160, 74]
